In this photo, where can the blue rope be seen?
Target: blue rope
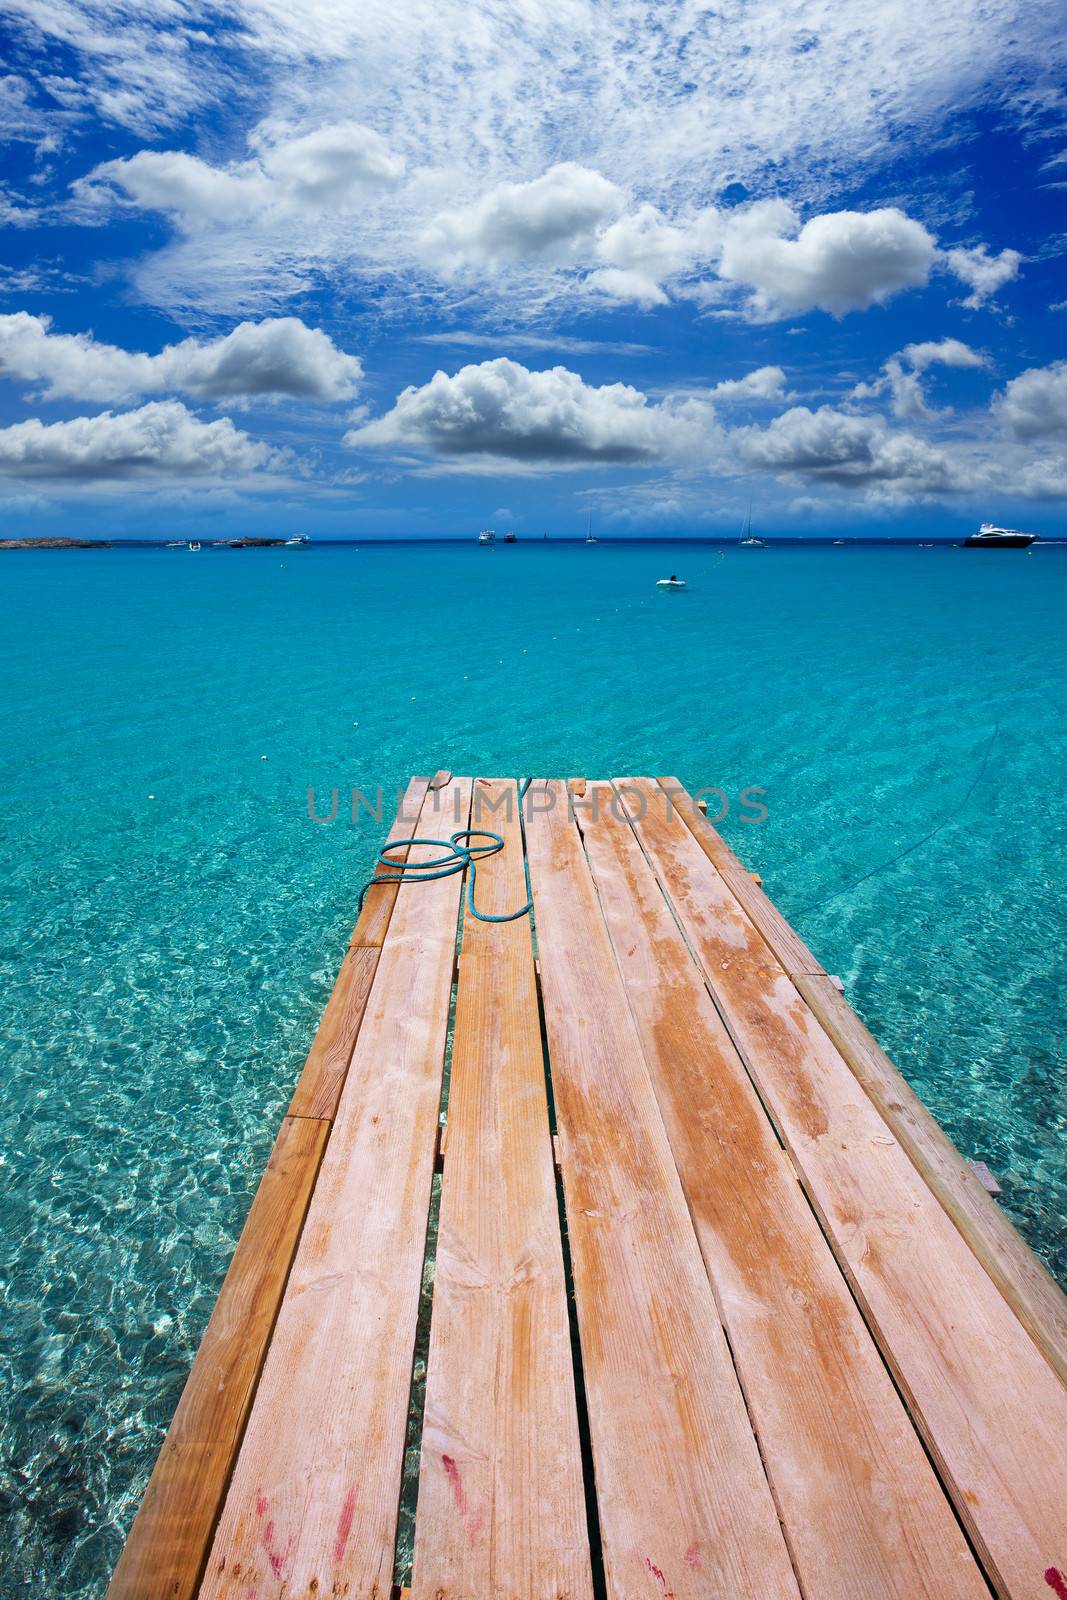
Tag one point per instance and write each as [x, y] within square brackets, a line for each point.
[458, 857]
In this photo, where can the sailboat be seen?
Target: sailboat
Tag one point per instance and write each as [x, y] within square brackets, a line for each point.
[589, 539]
[748, 540]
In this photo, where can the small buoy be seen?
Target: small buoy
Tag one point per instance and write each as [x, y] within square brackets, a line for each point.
[263, 758]
[151, 797]
[355, 724]
[413, 699]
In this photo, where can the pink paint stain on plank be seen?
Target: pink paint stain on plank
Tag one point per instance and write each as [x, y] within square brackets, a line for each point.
[344, 1526]
[692, 1558]
[452, 1472]
[277, 1558]
[668, 1594]
[1056, 1582]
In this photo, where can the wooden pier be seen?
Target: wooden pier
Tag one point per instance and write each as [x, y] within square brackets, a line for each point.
[718, 1310]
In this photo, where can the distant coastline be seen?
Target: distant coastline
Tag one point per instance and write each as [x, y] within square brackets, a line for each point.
[534, 540]
[55, 544]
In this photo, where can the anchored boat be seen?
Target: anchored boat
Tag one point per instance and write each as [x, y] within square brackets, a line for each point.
[670, 583]
[487, 536]
[992, 537]
[748, 540]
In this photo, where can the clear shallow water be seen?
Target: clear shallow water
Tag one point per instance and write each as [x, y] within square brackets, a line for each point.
[163, 962]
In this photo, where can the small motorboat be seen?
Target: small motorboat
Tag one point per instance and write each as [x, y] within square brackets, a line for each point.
[673, 582]
[195, 545]
[510, 538]
[298, 541]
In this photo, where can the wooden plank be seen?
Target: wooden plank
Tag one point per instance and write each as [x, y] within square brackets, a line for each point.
[1036, 1299]
[992, 1412]
[986, 1178]
[864, 1514]
[169, 1541]
[373, 921]
[312, 1507]
[319, 1086]
[685, 1508]
[501, 1507]
[786, 943]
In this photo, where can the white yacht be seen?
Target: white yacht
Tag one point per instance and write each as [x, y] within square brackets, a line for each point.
[298, 541]
[748, 540]
[487, 536]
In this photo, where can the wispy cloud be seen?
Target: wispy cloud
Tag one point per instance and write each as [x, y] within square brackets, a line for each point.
[528, 134]
[565, 344]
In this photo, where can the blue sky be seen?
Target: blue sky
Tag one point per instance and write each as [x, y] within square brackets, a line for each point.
[291, 265]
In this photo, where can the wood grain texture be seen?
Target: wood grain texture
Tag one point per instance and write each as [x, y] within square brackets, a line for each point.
[991, 1411]
[372, 924]
[864, 1514]
[685, 1508]
[501, 1509]
[319, 1086]
[321, 1080]
[171, 1535]
[312, 1507]
[1036, 1299]
[788, 946]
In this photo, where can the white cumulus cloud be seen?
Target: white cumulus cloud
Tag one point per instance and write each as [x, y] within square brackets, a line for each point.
[161, 440]
[901, 376]
[837, 447]
[269, 359]
[983, 273]
[290, 177]
[765, 383]
[556, 215]
[644, 250]
[838, 262]
[501, 412]
[1034, 405]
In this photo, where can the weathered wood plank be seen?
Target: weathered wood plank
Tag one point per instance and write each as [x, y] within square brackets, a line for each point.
[319, 1086]
[1036, 1299]
[312, 1507]
[786, 943]
[171, 1535]
[372, 923]
[864, 1513]
[991, 1410]
[685, 1508]
[501, 1508]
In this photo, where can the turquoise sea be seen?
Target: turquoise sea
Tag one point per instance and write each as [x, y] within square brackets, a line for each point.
[172, 920]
